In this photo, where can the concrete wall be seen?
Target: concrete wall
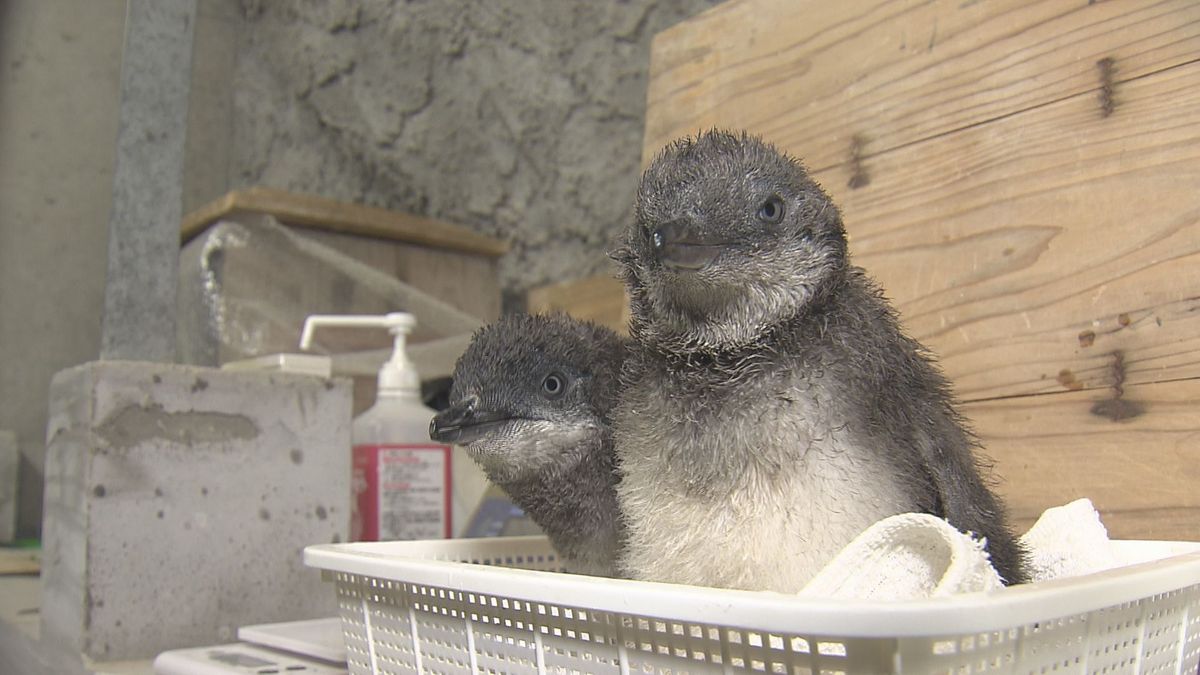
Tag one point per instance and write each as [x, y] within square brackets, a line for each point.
[59, 76]
[522, 119]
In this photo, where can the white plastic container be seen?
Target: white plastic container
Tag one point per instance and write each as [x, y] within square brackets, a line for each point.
[401, 480]
[423, 607]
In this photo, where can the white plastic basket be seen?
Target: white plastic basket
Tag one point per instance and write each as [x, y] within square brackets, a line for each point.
[461, 606]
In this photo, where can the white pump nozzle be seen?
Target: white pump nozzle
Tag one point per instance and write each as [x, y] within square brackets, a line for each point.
[398, 374]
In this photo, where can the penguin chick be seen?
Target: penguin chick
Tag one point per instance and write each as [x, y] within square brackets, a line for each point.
[771, 409]
[530, 401]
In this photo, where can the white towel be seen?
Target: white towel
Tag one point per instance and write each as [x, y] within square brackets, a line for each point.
[906, 557]
[1068, 541]
[915, 555]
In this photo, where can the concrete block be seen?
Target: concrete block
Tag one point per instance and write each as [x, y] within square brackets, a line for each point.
[10, 461]
[179, 499]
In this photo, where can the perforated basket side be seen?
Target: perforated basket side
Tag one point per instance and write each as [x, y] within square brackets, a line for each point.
[395, 627]
[390, 626]
[1157, 634]
[403, 615]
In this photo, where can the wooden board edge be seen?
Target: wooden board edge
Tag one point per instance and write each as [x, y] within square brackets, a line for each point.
[20, 561]
[316, 212]
[195, 222]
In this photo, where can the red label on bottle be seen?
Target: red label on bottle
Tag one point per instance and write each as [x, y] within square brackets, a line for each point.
[401, 492]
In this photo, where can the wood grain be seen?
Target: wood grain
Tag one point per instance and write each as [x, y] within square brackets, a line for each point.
[1024, 252]
[1141, 472]
[1029, 211]
[328, 214]
[599, 299]
[814, 75]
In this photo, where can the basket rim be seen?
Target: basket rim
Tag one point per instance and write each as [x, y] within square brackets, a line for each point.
[764, 611]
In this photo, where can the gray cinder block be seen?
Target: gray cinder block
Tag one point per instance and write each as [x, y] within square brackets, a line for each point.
[10, 460]
[178, 501]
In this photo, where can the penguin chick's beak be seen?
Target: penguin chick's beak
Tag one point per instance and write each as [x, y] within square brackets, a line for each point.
[463, 422]
[679, 246]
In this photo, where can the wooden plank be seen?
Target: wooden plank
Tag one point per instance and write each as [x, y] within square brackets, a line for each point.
[327, 214]
[814, 76]
[1140, 472]
[20, 561]
[599, 299]
[1025, 252]
[469, 282]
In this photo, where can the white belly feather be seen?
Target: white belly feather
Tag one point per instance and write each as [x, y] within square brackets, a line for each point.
[771, 529]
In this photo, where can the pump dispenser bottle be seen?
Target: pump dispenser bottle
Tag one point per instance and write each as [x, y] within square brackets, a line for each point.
[401, 480]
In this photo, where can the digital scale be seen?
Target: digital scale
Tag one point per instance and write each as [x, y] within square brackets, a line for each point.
[311, 647]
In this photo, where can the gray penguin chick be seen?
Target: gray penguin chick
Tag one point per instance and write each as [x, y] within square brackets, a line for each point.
[771, 407]
[530, 400]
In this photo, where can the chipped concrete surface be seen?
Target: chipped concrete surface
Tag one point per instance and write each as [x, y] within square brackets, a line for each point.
[520, 119]
[138, 423]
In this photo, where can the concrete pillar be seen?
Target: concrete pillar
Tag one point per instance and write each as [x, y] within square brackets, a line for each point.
[10, 459]
[143, 246]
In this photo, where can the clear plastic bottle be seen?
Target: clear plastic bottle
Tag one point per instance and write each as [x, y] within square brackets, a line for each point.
[401, 480]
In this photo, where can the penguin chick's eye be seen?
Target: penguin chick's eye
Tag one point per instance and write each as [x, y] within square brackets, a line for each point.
[655, 237]
[554, 385]
[771, 210]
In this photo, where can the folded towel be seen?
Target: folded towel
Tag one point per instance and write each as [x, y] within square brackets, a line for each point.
[915, 555]
[1068, 541]
[906, 557]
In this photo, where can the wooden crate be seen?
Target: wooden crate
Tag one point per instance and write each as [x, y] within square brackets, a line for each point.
[328, 260]
[1023, 177]
[449, 261]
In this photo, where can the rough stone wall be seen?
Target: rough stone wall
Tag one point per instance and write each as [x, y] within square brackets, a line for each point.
[520, 118]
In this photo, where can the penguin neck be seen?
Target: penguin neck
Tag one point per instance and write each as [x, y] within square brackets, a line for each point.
[815, 323]
[574, 502]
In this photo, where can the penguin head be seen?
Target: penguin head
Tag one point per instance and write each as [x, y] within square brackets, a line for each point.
[730, 237]
[529, 392]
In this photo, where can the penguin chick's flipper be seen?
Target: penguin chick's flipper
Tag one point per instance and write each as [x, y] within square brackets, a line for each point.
[966, 502]
[530, 402]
